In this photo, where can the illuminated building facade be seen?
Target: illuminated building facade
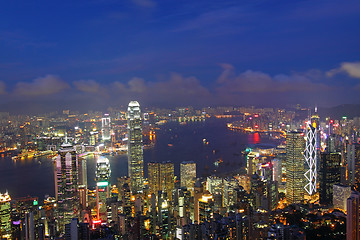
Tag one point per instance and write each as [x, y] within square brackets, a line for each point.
[102, 186]
[167, 178]
[66, 184]
[252, 160]
[5, 216]
[353, 164]
[188, 175]
[295, 145]
[277, 170]
[329, 175]
[352, 219]
[135, 148]
[205, 207]
[340, 195]
[154, 177]
[230, 184]
[315, 123]
[161, 178]
[214, 184]
[106, 127]
[310, 155]
[83, 186]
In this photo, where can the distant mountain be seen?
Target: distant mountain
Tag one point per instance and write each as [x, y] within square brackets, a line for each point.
[344, 110]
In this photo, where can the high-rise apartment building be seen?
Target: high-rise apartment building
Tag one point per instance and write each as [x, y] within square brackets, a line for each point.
[329, 175]
[5, 218]
[295, 145]
[135, 148]
[66, 184]
[188, 175]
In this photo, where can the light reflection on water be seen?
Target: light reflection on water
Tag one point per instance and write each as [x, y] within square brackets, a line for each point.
[173, 142]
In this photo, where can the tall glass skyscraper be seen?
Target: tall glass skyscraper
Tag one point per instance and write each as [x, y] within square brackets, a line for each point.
[103, 172]
[66, 184]
[106, 127]
[311, 156]
[295, 145]
[135, 148]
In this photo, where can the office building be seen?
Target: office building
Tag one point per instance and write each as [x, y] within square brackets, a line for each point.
[106, 127]
[353, 164]
[252, 160]
[167, 178]
[295, 145]
[277, 170]
[161, 178]
[310, 155]
[329, 175]
[188, 175]
[5, 218]
[66, 184]
[135, 148]
[102, 186]
[340, 195]
[352, 219]
[83, 185]
[154, 177]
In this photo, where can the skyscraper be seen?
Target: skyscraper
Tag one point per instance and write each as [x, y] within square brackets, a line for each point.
[106, 127]
[329, 175]
[82, 181]
[102, 186]
[352, 219]
[188, 175]
[295, 145]
[154, 177]
[66, 184]
[161, 178]
[5, 220]
[167, 178]
[135, 148]
[310, 155]
[340, 195]
[353, 164]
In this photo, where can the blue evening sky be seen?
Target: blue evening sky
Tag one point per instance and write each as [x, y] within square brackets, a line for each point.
[100, 53]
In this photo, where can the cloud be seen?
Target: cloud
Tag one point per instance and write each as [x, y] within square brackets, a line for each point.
[89, 86]
[47, 85]
[2, 88]
[177, 85]
[144, 3]
[137, 85]
[175, 89]
[228, 72]
[216, 18]
[259, 82]
[351, 68]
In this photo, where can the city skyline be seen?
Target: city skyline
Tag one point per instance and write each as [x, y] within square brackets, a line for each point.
[149, 119]
[219, 172]
[177, 53]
